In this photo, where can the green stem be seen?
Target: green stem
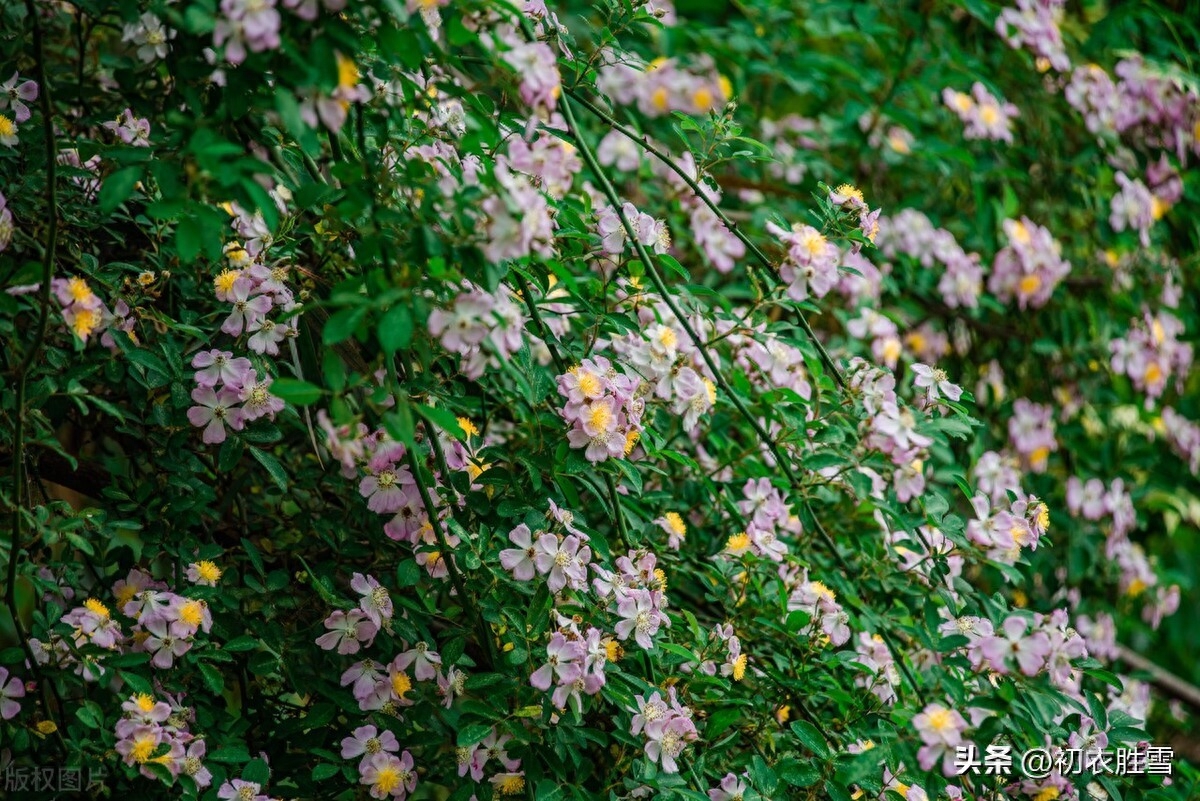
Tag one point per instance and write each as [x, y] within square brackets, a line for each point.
[645, 143]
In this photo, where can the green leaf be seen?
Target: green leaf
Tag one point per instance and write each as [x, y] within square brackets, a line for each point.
[230, 754]
[90, 715]
[396, 329]
[274, 468]
[213, 679]
[188, 237]
[243, 643]
[295, 391]
[323, 771]
[256, 771]
[809, 735]
[341, 325]
[117, 187]
[798, 774]
[473, 733]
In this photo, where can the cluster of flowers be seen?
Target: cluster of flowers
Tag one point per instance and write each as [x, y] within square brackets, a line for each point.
[149, 36]
[941, 731]
[912, 234]
[551, 161]
[768, 361]
[1031, 431]
[667, 726]
[718, 243]
[385, 773]
[767, 516]
[223, 382]
[481, 327]
[850, 199]
[1029, 267]
[519, 218]
[1137, 206]
[164, 624]
[14, 94]
[1144, 105]
[1002, 531]
[880, 677]
[1034, 24]
[668, 362]
[1151, 353]
[820, 603]
[984, 115]
[649, 232]
[604, 408]
[156, 732]
[886, 347]
[664, 86]
[86, 315]
[1184, 436]
[810, 265]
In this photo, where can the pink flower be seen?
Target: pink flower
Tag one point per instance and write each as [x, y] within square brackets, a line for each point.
[239, 790]
[369, 741]
[565, 561]
[520, 560]
[10, 691]
[376, 603]
[563, 663]
[1029, 649]
[936, 383]
[731, 788]
[641, 617]
[671, 742]
[214, 367]
[422, 659]
[17, 95]
[348, 632]
[214, 411]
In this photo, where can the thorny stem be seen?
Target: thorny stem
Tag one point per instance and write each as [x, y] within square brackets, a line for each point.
[645, 143]
[543, 331]
[610, 193]
[447, 553]
[22, 373]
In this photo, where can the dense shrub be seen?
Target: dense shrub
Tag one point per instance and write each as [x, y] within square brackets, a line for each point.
[472, 400]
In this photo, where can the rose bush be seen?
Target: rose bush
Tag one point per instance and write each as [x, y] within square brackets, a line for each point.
[475, 400]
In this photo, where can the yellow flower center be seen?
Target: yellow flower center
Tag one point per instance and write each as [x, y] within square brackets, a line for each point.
[940, 720]
[7, 128]
[126, 594]
[599, 416]
[725, 86]
[675, 523]
[589, 384]
[703, 98]
[347, 72]
[851, 191]
[468, 427]
[963, 102]
[1153, 373]
[813, 243]
[401, 683]
[1039, 456]
[144, 702]
[85, 322]
[821, 590]
[990, 114]
[891, 349]
[46, 727]
[79, 290]
[1029, 284]
[192, 613]
[96, 608]
[143, 748]
[1136, 588]
[711, 389]
[224, 282]
[1020, 233]
[1043, 517]
[667, 337]
[739, 667]
[511, 785]
[1047, 794]
[738, 542]
[659, 98]
[386, 780]
[208, 571]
